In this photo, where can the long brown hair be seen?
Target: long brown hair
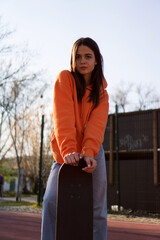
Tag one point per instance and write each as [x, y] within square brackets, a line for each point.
[97, 76]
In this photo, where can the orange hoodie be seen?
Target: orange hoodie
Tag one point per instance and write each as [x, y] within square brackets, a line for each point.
[77, 126]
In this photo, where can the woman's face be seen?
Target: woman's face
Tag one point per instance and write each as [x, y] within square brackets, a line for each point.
[85, 62]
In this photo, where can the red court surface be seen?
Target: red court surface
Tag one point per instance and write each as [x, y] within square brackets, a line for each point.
[119, 230]
[19, 226]
[26, 226]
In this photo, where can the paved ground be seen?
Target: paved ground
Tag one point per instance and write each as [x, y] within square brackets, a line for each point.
[19, 226]
[120, 230]
[26, 226]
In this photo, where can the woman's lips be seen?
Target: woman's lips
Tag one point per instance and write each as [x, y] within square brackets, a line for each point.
[83, 68]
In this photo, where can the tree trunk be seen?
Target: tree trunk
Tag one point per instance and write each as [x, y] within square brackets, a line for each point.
[18, 197]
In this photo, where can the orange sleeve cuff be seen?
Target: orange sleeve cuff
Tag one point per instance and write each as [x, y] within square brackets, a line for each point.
[88, 153]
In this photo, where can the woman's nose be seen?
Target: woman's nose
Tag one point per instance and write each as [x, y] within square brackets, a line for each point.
[82, 59]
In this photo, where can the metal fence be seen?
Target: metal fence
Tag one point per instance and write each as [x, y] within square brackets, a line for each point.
[133, 165]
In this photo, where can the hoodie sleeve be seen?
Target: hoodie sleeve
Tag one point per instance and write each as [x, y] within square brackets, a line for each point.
[95, 128]
[63, 114]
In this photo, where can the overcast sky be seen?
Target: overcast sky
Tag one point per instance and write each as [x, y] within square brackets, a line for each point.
[127, 32]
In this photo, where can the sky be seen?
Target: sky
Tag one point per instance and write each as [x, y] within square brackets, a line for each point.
[127, 32]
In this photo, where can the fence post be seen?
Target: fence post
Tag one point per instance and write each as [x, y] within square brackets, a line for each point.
[117, 156]
[155, 147]
[111, 152]
[40, 164]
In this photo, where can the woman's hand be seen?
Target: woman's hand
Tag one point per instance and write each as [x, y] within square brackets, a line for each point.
[72, 158]
[91, 164]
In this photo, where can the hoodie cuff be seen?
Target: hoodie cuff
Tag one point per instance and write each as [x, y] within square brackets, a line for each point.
[88, 153]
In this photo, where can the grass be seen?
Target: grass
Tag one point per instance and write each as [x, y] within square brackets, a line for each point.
[15, 204]
[20, 204]
[9, 194]
[36, 206]
[13, 194]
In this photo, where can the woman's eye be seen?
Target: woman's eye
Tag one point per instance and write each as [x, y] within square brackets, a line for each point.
[77, 56]
[88, 56]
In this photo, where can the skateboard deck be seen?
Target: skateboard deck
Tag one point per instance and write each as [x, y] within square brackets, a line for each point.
[74, 204]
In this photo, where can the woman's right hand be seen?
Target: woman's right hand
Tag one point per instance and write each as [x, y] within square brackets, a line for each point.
[72, 158]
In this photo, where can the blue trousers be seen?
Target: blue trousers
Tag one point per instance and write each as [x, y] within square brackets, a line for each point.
[99, 201]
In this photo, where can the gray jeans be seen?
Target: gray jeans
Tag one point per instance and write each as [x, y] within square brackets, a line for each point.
[99, 201]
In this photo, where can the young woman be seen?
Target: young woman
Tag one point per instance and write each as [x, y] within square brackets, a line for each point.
[80, 112]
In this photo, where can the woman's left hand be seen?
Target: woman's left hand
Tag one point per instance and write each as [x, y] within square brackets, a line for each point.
[91, 164]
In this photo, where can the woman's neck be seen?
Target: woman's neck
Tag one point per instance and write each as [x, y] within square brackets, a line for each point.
[87, 79]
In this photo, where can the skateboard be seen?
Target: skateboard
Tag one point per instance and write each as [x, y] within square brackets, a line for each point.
[74, 203]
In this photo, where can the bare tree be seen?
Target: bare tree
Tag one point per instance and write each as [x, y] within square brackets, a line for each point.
[19, 89]
[5, 144]
[12, 64]
[4, 33]
[22, 100]
[147, 97]
[32, 150]
[120, 96]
